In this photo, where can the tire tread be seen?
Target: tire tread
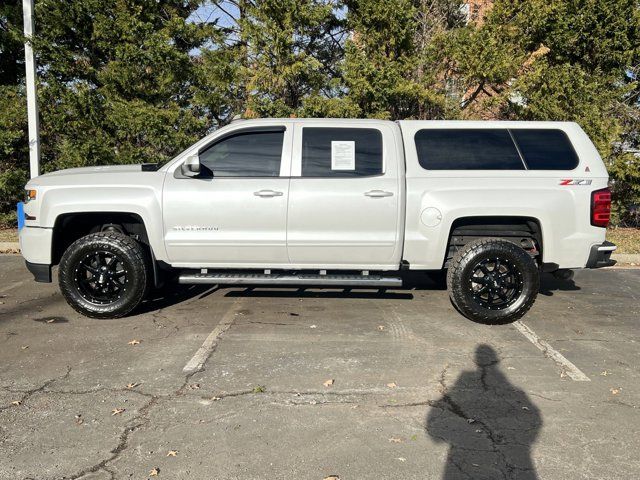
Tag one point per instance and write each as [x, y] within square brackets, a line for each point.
[131, 248]
[456, 286]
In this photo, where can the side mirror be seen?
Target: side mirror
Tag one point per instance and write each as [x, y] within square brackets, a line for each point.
[191, 166]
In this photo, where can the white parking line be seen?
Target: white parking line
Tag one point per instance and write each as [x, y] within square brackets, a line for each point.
[202, 355]
[573, 372]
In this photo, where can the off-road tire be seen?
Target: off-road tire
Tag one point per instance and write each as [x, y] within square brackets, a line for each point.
[137, 279]
[463, 265]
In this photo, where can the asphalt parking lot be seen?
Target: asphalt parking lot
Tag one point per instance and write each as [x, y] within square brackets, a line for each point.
[226, 383]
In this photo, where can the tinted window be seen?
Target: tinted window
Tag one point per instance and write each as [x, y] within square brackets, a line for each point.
[249, 154]
[341, 152]
[469, 149]
[546, 149]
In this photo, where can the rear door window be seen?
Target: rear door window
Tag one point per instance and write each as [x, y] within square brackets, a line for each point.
[545, 149]
[467, 149]
[341, 152]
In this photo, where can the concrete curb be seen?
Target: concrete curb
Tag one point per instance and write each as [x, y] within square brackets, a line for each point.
[627, 258]
[632, 259]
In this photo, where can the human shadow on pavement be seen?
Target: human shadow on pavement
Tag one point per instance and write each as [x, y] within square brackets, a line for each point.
[489, 424]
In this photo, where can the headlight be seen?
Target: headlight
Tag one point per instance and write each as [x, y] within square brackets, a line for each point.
[30, 195]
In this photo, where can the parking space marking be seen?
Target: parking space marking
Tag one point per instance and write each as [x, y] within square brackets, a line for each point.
[573, 372]
[202, 355]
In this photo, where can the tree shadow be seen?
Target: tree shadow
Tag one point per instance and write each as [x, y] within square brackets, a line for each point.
[489, 424]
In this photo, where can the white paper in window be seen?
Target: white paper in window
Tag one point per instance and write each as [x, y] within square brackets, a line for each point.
[343, 155]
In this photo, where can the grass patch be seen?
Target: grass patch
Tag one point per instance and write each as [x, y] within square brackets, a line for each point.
[627, 239]
[8, 234]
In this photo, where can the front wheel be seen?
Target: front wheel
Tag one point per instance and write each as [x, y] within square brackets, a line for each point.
[104, 275]
[493, 281]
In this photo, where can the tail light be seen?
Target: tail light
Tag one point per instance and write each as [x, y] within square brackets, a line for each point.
[600, 207]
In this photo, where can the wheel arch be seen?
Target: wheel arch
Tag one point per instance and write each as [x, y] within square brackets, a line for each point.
[69, 227]
[524, 231]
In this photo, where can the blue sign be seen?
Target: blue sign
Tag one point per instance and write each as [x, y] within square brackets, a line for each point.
[20, 215]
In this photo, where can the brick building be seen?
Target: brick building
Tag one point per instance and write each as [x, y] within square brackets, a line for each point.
[476, 9]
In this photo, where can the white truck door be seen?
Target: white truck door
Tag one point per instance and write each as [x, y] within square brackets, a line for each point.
[234, 213]
[345, 197]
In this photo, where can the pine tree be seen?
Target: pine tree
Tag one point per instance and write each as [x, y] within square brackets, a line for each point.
[291, 53]
[389, 70]
[116, 82]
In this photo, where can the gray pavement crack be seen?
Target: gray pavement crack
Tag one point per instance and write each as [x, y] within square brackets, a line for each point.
[26, 394]
[138, 421]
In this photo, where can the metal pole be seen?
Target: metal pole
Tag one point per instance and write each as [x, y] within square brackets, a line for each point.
[32, 99]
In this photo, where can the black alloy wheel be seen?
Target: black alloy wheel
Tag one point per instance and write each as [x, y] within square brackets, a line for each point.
[493, 281]
[105, 275]
[101, 277]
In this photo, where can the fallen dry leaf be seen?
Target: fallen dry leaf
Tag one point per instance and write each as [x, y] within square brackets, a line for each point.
[392, 385]
[17, 403]
[132, 385]
[117, 411]
[395, 440]
[172, 453]
[329, 382]
[615, 391]
[134, 342]
[154, 472]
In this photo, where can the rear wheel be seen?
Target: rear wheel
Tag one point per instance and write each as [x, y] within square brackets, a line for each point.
[104, 275]
[493, 281]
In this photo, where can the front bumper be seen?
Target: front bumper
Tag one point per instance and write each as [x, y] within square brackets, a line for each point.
[600, 255]
[35, 246]
[41, 271]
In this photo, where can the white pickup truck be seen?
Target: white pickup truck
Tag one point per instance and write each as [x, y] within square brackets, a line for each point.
[327, 202]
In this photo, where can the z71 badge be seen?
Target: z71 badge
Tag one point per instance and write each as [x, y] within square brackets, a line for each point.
[575, 181]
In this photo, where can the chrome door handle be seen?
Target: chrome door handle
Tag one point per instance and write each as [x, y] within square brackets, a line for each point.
[267, 193]
[378, 193]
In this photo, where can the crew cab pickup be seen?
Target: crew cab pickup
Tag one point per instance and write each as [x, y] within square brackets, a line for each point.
[329, 202]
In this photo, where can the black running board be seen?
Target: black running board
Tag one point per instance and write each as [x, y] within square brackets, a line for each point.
[275, 279]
